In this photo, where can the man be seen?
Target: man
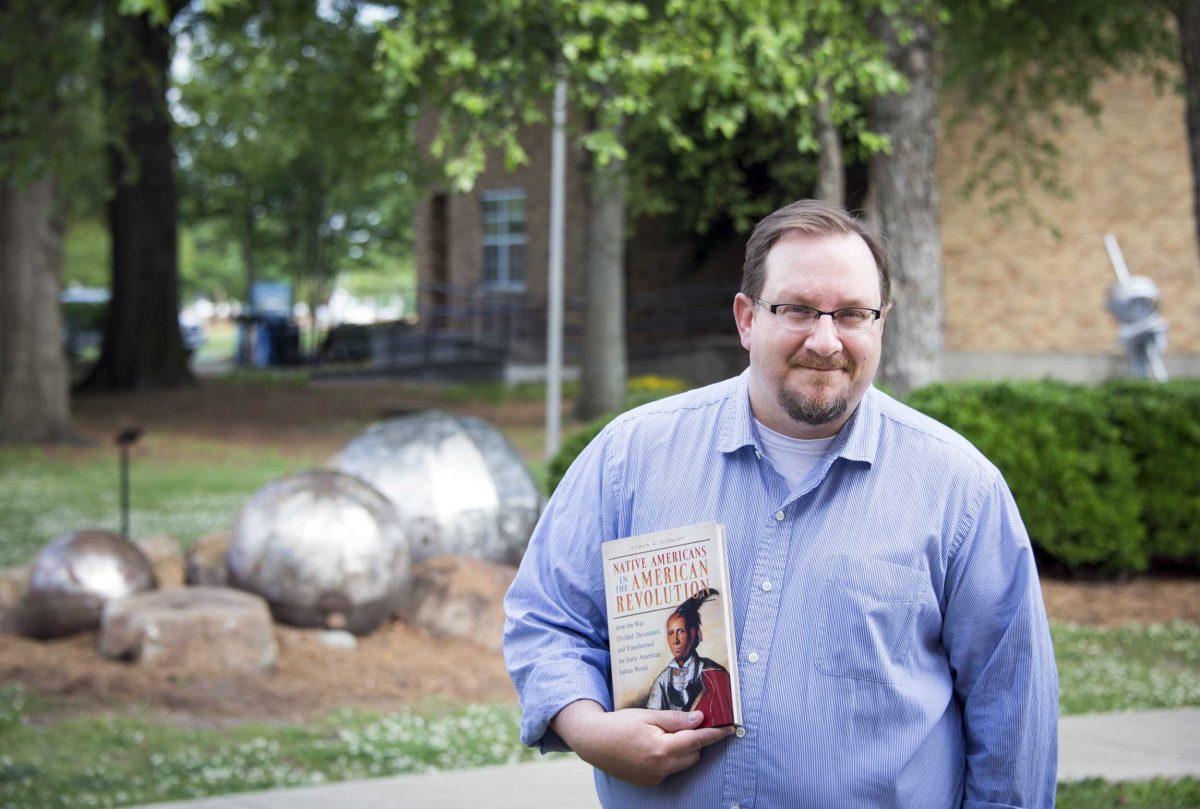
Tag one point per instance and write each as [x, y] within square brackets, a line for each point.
[893, 647]
[691, 682]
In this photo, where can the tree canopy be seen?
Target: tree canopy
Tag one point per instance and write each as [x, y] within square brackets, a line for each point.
[286, 146]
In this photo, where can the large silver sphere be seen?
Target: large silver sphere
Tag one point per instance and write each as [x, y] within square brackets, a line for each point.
[324, 549]
[457, 484]
[74, 576]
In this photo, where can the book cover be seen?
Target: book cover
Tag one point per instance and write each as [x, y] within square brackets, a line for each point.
[670, 623]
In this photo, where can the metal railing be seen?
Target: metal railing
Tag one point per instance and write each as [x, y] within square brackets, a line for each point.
[478, 323]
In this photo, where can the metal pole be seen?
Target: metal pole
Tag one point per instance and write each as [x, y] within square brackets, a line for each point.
[124, 441]
[554, 301]
[125, 492]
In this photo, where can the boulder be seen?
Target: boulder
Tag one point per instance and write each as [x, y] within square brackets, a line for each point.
[459, 597]
[166, 557]
[205, 629]
[13, 581]
[206, 561]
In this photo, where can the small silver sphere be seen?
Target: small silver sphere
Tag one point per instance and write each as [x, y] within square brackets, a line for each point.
[457, 484]
[74, 576]
[324, 549]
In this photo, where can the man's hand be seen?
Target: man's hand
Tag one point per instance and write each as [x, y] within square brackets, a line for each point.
[636, 745]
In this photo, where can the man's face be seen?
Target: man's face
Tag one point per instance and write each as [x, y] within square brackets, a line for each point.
[807, 385]
[681, 639]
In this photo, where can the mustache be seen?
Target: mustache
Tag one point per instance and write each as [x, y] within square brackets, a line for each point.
[810, 359]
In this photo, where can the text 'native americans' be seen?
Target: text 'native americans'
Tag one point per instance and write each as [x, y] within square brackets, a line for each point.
[657, 580]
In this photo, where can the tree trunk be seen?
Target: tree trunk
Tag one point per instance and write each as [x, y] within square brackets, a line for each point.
[904, 189]
[831, 182]
[1187, 18]
[142, 346]
[34, 379]
[603, 374]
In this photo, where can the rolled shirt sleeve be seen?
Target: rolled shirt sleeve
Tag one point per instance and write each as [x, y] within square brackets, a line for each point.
[998, 644]
[555, 632]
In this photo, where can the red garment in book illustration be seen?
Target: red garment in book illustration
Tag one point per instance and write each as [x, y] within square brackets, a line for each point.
[716, 701]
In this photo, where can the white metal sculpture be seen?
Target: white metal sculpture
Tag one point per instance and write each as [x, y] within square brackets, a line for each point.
[457, 484]
[74, 576]
[1133, 301]
[324, 549]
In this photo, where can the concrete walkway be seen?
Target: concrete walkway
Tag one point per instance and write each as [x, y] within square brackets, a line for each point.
[1116, 747]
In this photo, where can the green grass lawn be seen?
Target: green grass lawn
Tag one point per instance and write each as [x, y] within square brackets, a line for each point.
[1129, 668]
[115, 761]
[48, 758]
[1156, 794]
[43, 493]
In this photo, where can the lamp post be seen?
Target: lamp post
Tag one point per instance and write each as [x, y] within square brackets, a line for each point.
[125, 439]
[554, 298]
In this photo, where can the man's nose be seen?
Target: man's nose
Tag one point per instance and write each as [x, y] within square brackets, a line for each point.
[824, 338]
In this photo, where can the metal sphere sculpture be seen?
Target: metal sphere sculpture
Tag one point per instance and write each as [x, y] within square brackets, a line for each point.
[457, 484]
[324, 549]
[74, 576]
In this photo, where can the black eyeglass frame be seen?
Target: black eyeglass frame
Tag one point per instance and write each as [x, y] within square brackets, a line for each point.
[774, 307]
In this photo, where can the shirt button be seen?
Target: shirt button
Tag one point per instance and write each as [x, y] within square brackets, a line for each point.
[779, 516]
[766, 585]
[740, 732]
[758, 453]
[752, 657]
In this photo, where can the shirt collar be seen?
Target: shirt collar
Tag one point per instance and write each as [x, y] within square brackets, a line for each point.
[736, 419]
[857, 441]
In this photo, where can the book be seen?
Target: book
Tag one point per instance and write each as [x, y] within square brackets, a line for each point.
[670, 623]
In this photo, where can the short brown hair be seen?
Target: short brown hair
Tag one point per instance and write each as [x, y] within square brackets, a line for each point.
[817, 218]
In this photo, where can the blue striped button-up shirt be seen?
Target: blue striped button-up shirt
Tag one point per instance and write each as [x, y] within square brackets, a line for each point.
[892, 643]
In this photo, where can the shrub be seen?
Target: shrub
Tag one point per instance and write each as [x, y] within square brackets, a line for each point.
[1072, 477]
[1160, 423]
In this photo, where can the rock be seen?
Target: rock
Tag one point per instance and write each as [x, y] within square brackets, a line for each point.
[12, 588]
[337, 639]
[166, 557]
[205, 629]
[459, 597]
[206, 563]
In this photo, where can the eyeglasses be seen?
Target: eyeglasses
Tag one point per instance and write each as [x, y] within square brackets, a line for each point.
[796, 317]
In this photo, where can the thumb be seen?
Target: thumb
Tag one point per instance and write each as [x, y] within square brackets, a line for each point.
[672, 721]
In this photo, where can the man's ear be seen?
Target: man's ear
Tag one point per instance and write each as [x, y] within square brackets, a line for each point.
[743, 313]
[699, 636]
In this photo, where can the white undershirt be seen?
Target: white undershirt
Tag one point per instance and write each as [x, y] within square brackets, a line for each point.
[793, 458]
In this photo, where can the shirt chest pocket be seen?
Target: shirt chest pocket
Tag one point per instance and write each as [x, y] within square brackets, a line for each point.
[868, 618]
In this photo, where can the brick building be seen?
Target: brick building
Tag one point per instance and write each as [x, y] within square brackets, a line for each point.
[1019, 302]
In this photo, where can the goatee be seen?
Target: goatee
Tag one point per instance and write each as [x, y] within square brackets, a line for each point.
[811, 410]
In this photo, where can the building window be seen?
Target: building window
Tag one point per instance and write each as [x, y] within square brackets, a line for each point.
[504, 238]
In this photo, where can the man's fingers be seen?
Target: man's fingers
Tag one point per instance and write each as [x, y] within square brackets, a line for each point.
[692, 740]
[674, 721]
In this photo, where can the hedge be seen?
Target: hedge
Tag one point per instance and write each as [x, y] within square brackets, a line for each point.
[1107, 478]
[1073, 478]
[1160, 424]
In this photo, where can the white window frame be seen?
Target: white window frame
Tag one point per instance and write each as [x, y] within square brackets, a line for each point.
[503, 242]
